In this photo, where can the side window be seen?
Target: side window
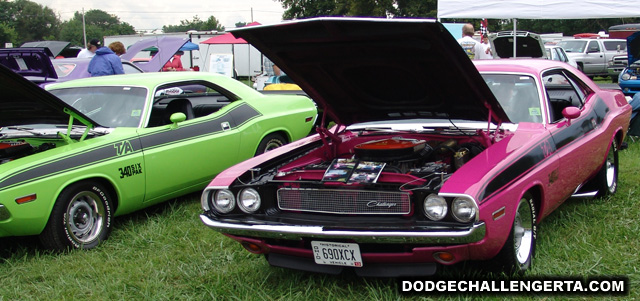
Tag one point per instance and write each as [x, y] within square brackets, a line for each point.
[593, 47]
[563, 90]
[193, 99]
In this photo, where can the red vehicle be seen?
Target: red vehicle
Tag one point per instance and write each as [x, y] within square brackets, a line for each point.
[468, 159]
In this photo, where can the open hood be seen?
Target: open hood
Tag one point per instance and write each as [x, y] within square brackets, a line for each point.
[367, 69]
[29, 62]
[23, 103]
[166, 47]
[56, 47]
[528, 45]
[633, 47]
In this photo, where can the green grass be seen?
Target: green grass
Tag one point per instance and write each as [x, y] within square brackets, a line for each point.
[166, 253]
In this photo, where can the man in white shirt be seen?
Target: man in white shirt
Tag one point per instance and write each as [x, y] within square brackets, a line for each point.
[470, 46]
[486, 53]
[90, 51]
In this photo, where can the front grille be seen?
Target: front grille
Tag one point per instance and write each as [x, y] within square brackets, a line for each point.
[342, 201]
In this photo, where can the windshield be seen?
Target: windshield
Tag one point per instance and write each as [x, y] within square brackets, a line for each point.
[573, 46]
[108, 106]
[518, 96]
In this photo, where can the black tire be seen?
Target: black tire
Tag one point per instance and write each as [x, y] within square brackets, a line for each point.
[516, 255]
[607, 178]
[80, 219]
[270, 142]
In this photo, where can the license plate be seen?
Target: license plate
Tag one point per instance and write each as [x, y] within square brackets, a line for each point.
[336, 253]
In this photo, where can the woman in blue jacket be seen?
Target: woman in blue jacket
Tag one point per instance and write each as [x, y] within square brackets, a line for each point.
[105, 62]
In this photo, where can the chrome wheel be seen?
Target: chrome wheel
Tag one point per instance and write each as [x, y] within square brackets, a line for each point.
[84, 217]
[523, 232]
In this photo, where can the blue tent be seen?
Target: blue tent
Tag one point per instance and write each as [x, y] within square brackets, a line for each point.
[189, 46]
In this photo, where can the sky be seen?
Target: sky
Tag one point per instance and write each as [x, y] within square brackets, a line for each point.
[153, 14]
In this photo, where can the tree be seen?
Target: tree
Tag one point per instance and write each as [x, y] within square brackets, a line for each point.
[98, 24]
[196, 24]
[28, 20]
[7, 34]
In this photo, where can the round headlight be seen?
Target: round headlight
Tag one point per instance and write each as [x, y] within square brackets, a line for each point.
[435, 207]
[224, 201]
[463, 210]
[626, 76]
[249, 200]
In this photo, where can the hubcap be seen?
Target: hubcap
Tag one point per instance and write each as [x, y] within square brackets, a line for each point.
[273, 144]
[611, 170]
[84, 217]
[523, 232]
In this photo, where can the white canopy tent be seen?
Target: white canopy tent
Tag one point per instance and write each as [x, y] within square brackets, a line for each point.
[537, 9]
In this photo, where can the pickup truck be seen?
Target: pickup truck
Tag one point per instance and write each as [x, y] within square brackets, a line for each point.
[593, 55]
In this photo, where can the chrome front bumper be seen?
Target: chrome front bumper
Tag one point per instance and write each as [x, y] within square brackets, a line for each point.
[474, 233]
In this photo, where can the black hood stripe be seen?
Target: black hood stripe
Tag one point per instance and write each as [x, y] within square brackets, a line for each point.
[236, 117]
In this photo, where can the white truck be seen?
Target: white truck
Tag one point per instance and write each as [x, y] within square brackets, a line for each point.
[593, 55]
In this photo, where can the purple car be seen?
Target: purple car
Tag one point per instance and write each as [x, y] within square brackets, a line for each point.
[36, 63]
[469, 157]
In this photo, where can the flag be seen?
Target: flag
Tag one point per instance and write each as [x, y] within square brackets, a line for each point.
[484, 28]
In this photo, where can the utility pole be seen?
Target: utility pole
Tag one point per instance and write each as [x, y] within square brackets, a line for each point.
[84, 29]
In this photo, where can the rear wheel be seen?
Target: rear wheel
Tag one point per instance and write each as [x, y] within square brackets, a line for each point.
[607, 178]
[80, 219]
[270, 142]
[517, 253]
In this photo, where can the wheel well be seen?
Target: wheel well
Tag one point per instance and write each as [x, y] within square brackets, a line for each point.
[107, 185]
[282, 133]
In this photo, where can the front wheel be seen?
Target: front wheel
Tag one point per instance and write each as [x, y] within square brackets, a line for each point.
[607, 178]
[80, 219]
[270, 142]
[517, 253]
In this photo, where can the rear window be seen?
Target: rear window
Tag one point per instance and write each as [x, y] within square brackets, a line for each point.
[573, 46]
[615, 45]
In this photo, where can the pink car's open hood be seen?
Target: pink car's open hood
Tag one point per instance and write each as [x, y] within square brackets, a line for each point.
[366, 69]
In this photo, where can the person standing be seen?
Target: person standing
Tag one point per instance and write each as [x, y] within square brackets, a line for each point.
[175, 63]
[88, 52]
[486, 53]
[118, 48]
[105, 62]
[470, 46]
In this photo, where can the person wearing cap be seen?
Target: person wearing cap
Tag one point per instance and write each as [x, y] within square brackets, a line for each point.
[90, 51]
[105, 62]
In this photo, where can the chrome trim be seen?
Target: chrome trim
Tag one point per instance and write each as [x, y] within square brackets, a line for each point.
[590, 194]
[474, 233]
[4, 213]
[457, 195]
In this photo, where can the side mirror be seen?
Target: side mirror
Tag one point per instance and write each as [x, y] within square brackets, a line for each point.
[177, 117]
[569, 113]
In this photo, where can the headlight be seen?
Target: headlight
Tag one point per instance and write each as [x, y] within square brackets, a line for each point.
[435, 207]
[626, 76]
[463, 210]
[224, 201]
[249, 200]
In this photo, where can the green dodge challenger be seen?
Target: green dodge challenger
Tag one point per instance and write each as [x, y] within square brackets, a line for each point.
[111, 145]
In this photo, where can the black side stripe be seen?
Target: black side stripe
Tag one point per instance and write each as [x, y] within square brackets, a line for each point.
[236, 118]
[539, 153]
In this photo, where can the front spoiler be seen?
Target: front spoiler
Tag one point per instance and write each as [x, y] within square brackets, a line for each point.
[416, 235]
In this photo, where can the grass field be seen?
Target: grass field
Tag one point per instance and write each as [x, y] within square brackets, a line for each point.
[166, 253]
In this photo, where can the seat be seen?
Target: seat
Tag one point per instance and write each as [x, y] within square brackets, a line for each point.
[178, 105]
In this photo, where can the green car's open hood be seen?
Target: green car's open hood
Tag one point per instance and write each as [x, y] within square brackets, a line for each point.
[23, 103]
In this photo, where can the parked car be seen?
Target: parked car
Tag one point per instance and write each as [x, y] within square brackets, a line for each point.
[593, 55]
[467, 159]
[86, 151]
[616, 65]
[629, 80]
[557, 53]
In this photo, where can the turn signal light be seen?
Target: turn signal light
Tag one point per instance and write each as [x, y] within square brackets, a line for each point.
[444, 257]
[26, 199]
[253, 248]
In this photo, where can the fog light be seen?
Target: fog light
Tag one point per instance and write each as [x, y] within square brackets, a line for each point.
[463, 210]
[224, 201]
[249, 200]
[435, 207]
[444, 257]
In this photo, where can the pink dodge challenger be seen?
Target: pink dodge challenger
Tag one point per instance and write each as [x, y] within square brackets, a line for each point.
[429, 159]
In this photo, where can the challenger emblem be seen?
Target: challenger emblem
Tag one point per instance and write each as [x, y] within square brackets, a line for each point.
[123, 148]
[381, 204]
